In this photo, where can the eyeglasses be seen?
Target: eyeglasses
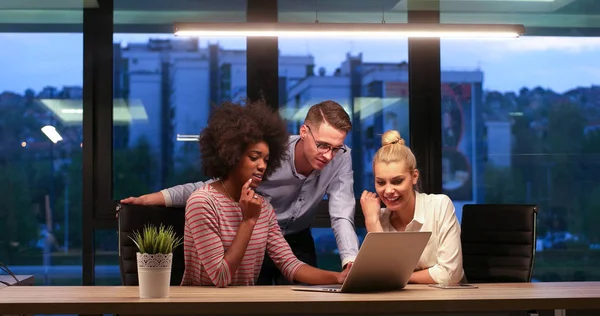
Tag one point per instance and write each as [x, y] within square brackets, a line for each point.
[324, 148]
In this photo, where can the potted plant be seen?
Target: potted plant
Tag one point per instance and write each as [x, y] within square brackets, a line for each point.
[154, 259]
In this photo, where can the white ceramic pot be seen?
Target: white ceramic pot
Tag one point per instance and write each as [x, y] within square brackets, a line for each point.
[154, 274]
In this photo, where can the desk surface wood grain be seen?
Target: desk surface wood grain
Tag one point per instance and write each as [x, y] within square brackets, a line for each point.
[280, 299]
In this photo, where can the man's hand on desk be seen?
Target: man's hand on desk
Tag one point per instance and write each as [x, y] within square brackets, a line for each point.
[344, 273]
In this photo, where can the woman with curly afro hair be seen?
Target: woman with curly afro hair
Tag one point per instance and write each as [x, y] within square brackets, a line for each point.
[228, 226]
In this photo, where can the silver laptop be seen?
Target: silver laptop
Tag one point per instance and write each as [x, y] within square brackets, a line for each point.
[384, 262]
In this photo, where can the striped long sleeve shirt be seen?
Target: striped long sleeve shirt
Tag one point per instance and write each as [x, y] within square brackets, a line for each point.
[211, 224]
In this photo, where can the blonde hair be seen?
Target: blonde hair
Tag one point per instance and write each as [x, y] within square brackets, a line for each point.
[393, 149]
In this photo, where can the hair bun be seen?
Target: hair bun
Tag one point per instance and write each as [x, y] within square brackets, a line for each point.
[391, 137]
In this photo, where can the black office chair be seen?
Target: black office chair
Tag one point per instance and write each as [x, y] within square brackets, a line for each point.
[498, 242]
[133, 218]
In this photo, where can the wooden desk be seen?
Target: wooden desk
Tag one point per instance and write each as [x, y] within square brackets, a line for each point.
[282, 300]
[23, 280]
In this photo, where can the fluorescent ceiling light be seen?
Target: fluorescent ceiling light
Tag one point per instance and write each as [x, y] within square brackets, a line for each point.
[187, 138]
[355, 30]
[48, 4]
[51, 133]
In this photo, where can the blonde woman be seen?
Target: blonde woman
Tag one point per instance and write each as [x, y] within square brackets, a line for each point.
[396, 178]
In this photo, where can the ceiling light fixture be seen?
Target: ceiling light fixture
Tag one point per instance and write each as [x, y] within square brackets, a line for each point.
[187, 138]
[353, 30]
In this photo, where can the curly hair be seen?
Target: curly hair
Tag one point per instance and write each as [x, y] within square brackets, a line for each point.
[232, 128]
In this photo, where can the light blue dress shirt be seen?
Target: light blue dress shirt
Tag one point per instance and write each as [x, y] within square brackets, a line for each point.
[295, 197]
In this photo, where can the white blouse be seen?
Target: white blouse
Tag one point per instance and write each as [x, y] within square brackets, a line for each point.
[443, 253]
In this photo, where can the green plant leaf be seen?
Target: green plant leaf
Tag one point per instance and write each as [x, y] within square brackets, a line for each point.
[153, 239]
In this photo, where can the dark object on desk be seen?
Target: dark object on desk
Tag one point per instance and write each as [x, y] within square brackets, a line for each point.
[24, 280]
[7, 280]
[10, 278]
[133, 218]
[498, 242]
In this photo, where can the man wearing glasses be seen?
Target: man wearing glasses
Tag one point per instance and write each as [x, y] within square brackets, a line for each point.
[318, 164]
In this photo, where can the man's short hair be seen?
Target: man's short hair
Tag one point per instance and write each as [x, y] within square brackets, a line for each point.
[330, 112]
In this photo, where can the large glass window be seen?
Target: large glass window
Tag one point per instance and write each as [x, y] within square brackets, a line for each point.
[523, 128]
[369, 78]
[106, 245]
[41, 145]
[164, 89]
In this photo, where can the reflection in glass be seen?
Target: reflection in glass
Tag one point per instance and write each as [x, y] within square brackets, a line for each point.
[461, 93]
